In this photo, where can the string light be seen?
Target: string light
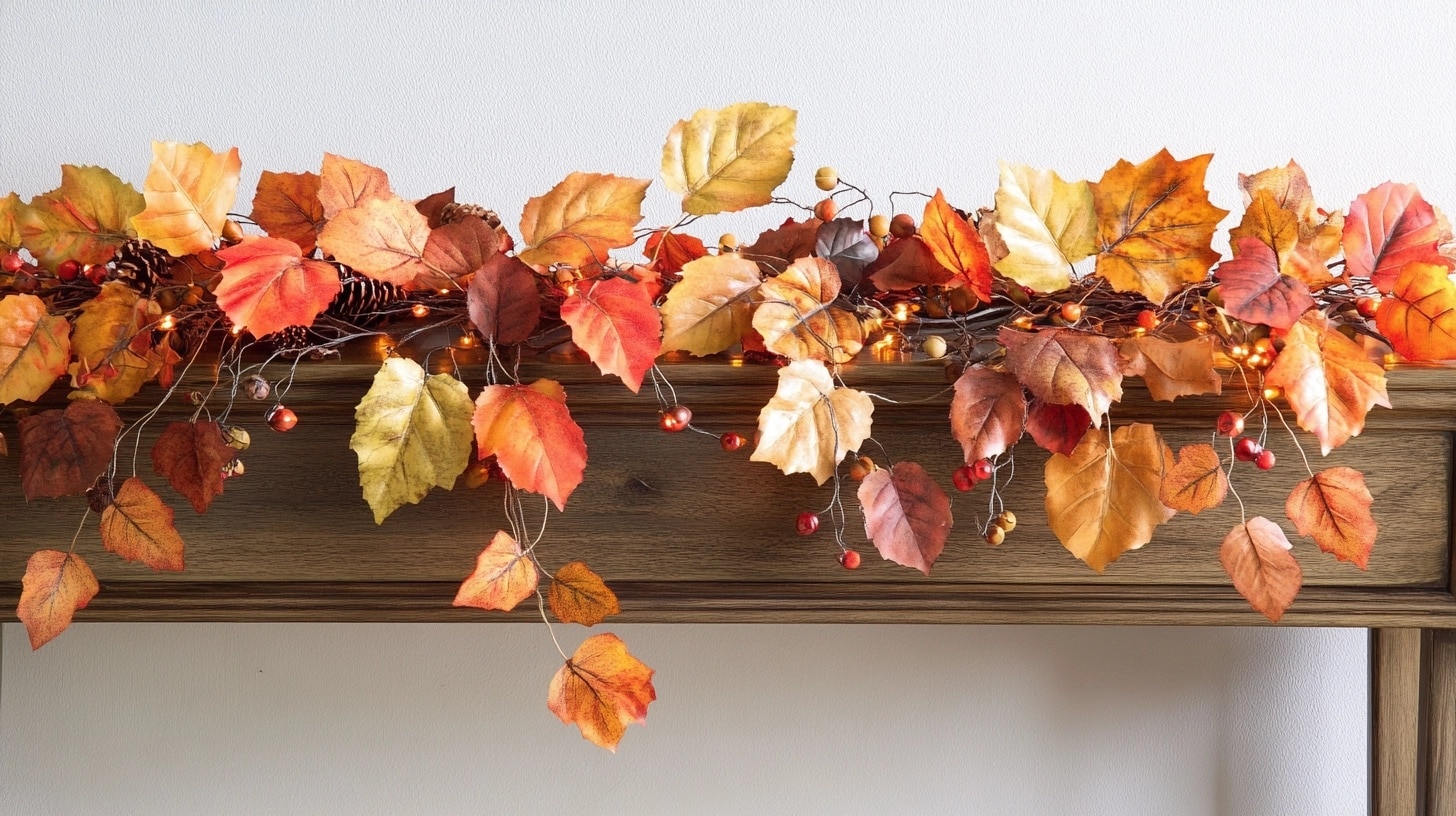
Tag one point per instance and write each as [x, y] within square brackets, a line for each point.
[902, 312]
[467, 340]
[1273, 392]
[420, 310]
[168, 323]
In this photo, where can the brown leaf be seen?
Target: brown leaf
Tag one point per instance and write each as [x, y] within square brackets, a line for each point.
[287, 205]
[56, 584]
[504, 576]
[110, 345]
[138, 526]
[1328, 379]
[957, 246]
[191, 457]
[1057, 428]
[1103, 499]
[907, 515]
[1197, 482]
[431, 206]
[906, 264]
[1172, 370]
[987, 413]
[1333, 508]
[797, 318]
[1255, 292]
[503, 301]
[63, 451]
[1066, 367]
[579, 595]
[346, 183]
[777, 248]
[602, 689]
[456, 250]
[1256, 555]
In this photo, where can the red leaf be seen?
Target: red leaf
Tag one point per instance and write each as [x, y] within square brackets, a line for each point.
[62, 452]
[957, 246]
[138, 527]
[907, 515]
[906, 264]
[1387, 228]
[1255, 292]
[667, 251]
[988, 412]
[503, 301]
[1057, 428]
[267, 285]
[191, 457]
[533, 437]
[1333, 508]
[615, 323]
[1256, 555]
[56, 584]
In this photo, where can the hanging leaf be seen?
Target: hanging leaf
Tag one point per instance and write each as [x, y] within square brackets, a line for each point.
[1155, 225]
[1066, 367]
[55, 585]
[1046, 225]
[1328, 380]
[844, 243]
[1278, 197]
[1104, 500]
[906, 264]
[617, 326]
[1254, 291]
[84, 220]
[987, 413]
[797, 319]
[287, 206]
[412, 433]
[34, 348]
[138, 526]
[1256, 555]
[582, 218]
[504, 576]
[1172, 370]
[191, 457]
[907, 515]
[267, 285]
[63, 451]
[667, 252]
[189, 191]
[711, 307]
[1197, 482]
[1057, 428]
[110, 346]
[1419, 316]
[347, 183]
[454, 251]
[775, 249]
[809, 424]
[1333, 508]
[1387, 228]
[602, 689]
[957, 246]
[730, 159]
[502, 300]
[579, 595]
[382, 238]
[533, 437]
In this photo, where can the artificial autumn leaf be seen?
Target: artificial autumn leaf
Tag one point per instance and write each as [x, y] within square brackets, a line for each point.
[138, 526]
[191, 457]
[55, 585]
[346, 183]
[668, 252]
[579, 595]
[956, 246]
[1172, 370]
[987, 413]
[1273, 196]
[775, 249]
[1155, 225]
[1387, 228]
[602, 689]
[711, 307]
[381, 238]
[111, 348]
[12, 209]
[504, 576]
[502, 300]
[617, 326]
[1254, 290]
[1057, 428]
[456, 250]
[34, 348]
[1333, 508]
[433, 206]
[810, 424]
[1103, 500]
[533, 437]
[1419, 315]
[797, 319]
[412, 432]
[189, 190]
[83, 220]
[1256, 555]
[63, 451]
[1328, 380]
[1046, 225]
[730, 159]
[581, 218]
[844, 243]
[1197, 482]
[907, 515]
[267, 285]
[287, 205]
[906, 264]
[1066, 367]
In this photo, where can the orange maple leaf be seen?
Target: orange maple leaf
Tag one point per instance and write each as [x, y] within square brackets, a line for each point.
[602, 689]
[267, 285]
[55, 585]
[287, 205]
[578, 595]
[1419, 316]
[533, 437]
[1328, 379]
[957, 245]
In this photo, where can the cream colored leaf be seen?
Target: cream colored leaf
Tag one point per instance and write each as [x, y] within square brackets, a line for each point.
[1046, 225]
[382, 238]
[189, 190]
[730, 159]
[810, 424]
[711, 307]
[797, 319]
[34, 348]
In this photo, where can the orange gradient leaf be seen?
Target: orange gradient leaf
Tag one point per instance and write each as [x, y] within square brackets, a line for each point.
[1172, 370]
[189, 190]
[1256, 554]
[111, 349]
[907, 515]
[287, 205]
[346, 183]
[267, 285]
[797, 317]
[191, 457]
[63, 451]
[454, 251]
[602, 689]
[1387, 228]
[55, 585]
[1066, 367]
[581, 218]
[138, 526]
[1254, 291]
[1333, 508]
[906, 264]
[84, 220]
[382, 238]
[1329, 381]
[957, 246]
[504, 576]
[578, 595]
[533, 437]
[1276, 197]
[1197, 482]
[667, 252]
[1419, 316]
[34, 348]
[987, 413]
[617, 326]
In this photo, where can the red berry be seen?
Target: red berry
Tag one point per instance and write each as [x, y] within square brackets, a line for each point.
[1147, 319]
[982, 469]
[1246, 449]
[849, 559]
[675, 419]
[96, 273]
[807, 523]
[963, 478]
[1367, 306]
[732, 441]
[902, 225]
[12, 262]
[68, 270]
[1265, 459]
[1230, 423]
[282, 419]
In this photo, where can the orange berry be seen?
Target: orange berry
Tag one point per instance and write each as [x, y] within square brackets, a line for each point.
[902, 226]
[826, 210]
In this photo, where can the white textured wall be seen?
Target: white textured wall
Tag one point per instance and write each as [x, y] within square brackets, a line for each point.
[503, 99]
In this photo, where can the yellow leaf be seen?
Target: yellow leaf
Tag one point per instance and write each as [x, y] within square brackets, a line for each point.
[34, 348]
[579, 595]
[1046, 224]
[796, 317]
[581, 218]
[504, 576]
[84, 220]
[11, 211]
[382, 238]
[809, 424]
[730, 159]
[110, 365]
[1280, 201]
[711, 307]
[412, 433]
[189, 190]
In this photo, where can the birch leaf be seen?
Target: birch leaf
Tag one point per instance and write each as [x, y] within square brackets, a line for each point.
[730, 159]
[34, 348]
[189, 191]
[797, 317]
[810, 424]
[1256, 555]
[711, 307]
[1046, 224]
[582, 218]
[138, 526]
[55, 585]
[504, 576]
[602, 689]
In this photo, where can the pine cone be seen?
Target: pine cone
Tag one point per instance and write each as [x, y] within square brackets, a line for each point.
[362, 300]
[450, 213]
[139, 264]
[291, 340]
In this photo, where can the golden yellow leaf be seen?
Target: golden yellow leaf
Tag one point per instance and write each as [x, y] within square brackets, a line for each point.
[34, 348]
[1046, 225]
[712, 306]
[11, 211]
[578, 595]
[797, 319]
[504, 576]
[730, 159]
[581, 218]
[1281, 213]
[1172, 370]
[1197, 482]
[84, 220]
[112, 355]
[810, 424]
[189, 190]
[602, 689]
[382, 238]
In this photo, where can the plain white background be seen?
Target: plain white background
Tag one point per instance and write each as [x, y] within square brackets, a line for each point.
[503, 100]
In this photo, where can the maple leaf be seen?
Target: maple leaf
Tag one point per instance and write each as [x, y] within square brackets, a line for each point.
[454, 251]
[267, 285]
[907, 515]
[34, 348]
[382, 238]
[1057, 428]
[1328, 380]
[504, 576]
[1197, 482]
[533, 437]
[1333, 508]
[602, 689]
[84, 220]
[844, 243]
[412, 433]
[729, 159]
[191, 457]
[63, 451]
[1103, 500]
[1387, 228]
[712, 306]
[957, 246]
[12, 210]
[347, 183]
[809, 424]
[581, 218]
[188, 190]
[775, 249]
[55, 585]
[906, 264]
[111, 349]
[1256, 555]
[1280, 198]
[579, 595]
[1155, 225]
[1046, 225]
[138, 526]
[502, 300]
[667, 252]
[987, 413]
[1066, 367]
[1419, 316]
[796, 317]
[1254, 290]
[287, 205]
[1172, 370]
[617, 326]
